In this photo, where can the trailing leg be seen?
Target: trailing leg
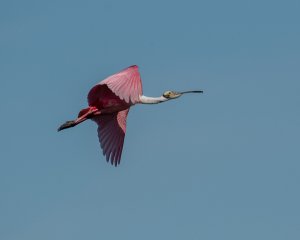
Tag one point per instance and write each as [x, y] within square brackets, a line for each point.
[83, 115]
[67, 124]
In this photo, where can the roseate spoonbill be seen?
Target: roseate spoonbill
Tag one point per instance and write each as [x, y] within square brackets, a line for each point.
[109, 102]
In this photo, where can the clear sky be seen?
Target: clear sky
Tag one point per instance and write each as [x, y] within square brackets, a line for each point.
[222, 165]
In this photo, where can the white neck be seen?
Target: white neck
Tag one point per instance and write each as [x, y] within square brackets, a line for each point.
[152, 100]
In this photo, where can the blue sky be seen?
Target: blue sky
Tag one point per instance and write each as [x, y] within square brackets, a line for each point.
[224, 165]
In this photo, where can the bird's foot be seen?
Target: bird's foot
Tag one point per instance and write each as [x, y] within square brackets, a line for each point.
[67, 124]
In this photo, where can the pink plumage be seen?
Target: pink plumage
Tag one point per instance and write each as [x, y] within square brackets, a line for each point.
[126, 84]
[109, 102]
[111, 134]
[113, 97]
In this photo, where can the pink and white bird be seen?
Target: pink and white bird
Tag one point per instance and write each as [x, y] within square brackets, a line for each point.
[109, 103]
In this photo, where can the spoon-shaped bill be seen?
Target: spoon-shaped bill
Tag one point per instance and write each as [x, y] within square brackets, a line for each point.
[194, 91]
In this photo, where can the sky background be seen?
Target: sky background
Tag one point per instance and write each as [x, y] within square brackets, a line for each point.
[222, 165]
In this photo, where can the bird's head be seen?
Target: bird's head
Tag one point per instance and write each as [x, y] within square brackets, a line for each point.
[172, 94]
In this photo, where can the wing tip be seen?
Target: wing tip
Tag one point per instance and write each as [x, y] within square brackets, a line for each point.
[113, 158]
[133, 66]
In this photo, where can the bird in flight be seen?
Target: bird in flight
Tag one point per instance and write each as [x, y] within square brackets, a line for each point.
[109, 103]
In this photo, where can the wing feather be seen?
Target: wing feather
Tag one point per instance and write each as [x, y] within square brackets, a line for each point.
[111, 134]
[126, 84]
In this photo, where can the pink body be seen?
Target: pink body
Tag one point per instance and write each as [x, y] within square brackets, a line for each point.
[109, 103]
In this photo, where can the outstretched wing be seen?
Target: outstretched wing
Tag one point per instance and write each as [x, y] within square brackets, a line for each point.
[127, 85]
[111, 134]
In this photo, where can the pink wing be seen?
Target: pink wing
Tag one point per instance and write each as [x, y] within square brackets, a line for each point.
[111, 134]
[127, 84]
